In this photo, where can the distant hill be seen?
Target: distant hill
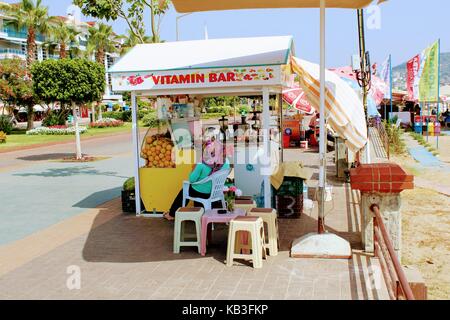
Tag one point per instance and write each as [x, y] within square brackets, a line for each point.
[399, 73]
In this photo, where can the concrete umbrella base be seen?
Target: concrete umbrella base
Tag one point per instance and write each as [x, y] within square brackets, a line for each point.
[326, 246]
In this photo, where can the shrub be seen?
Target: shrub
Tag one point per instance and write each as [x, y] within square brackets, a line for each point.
[2, 137]
[124, 116]
[151, 120]
[6, 124]
[395, 138]
[106, 123]
[223, 110]
[55, 131]
[112, 115]
[54, 119]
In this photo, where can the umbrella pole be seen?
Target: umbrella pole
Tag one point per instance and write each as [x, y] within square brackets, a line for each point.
[321, 244]
[323, 139]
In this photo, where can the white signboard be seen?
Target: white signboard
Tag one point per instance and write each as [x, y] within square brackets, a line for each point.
[200, 78]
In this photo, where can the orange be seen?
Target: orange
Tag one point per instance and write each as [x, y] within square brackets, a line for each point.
[161, 155]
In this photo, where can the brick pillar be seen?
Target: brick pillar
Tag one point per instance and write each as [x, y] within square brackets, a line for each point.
[381, 184]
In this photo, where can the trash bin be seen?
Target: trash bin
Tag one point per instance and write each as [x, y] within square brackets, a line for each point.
[286, 141]
[288, 199]
[437, 128]
[431, 128]
[418, 127]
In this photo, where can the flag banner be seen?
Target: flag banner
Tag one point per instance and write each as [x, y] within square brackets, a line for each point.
[385, 75]
[412, 77]
[429, 78]
[423, 75]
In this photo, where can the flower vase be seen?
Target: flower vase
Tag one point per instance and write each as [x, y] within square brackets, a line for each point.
[230, 205]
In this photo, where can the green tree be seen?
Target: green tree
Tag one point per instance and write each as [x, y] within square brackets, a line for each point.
[70, 81]
[64, 36]
[101, 40]
[16, 87]
[130, 40]
[132, 11]
[31, 16]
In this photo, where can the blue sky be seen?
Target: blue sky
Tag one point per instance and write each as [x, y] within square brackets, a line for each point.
[407, 27]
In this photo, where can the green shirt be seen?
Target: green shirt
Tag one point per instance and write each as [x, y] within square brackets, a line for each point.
[202, 171]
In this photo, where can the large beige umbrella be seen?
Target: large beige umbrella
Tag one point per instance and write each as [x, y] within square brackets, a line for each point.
[212, 5]
[313, 245]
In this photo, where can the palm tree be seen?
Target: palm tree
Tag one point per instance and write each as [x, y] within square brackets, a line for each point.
[64, 35]
[33, 17]
[130, 40]
[101, 40]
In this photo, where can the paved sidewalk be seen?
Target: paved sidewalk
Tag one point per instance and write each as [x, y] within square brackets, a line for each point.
[125, 257]
[37, 191]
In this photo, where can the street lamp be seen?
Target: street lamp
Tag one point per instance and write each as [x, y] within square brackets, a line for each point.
[178, 18]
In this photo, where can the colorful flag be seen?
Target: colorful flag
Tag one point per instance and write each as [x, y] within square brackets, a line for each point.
[423, 75]
[412, 77]
[428, 83]
[385, 76]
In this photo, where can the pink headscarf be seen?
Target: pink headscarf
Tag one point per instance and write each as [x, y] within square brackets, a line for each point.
[213, 155]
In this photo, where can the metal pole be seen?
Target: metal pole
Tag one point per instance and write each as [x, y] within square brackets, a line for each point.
[438, 92]
[390, 81]
[176, 22]
[266, 146]
[135, 133]
[365, 75]
[280, 106]
[323, 136]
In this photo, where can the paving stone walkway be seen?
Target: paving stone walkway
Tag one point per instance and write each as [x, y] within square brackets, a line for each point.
[126, 257]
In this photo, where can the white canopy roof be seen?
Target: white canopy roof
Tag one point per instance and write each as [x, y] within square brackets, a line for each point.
[211, 53]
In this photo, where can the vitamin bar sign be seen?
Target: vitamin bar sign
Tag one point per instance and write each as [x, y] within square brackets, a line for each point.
[226, 77]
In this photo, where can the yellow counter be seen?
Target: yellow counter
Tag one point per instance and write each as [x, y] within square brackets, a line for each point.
[160, 186]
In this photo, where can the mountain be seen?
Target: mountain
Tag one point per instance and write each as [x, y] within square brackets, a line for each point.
[399, 73]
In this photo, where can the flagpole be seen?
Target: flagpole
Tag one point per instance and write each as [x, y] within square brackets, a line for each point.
[390, 82]
[438, 91]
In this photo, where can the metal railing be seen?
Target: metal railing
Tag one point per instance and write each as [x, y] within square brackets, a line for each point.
[396, 282]
[383, 135]
[22, 34]
[12, 52]
[384, 138]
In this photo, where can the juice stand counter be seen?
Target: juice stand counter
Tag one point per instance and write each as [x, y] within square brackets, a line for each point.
[169, 159]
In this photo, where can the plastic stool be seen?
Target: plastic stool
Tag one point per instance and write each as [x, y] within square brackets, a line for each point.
[179, 234]
[269, 217]
[245, 204]
[253, 225]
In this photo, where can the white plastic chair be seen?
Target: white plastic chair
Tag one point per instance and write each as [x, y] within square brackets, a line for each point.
[218, 182]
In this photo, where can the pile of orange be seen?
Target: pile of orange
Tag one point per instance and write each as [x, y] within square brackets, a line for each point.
[157, 150]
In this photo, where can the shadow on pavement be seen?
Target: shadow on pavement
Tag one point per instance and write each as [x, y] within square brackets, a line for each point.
[70, 171]
[97, 198]
[127, 238]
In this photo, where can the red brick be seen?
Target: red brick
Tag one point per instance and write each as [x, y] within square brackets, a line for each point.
[386, 178]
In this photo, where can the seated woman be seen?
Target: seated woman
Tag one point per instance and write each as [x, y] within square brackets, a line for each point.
[212, 162]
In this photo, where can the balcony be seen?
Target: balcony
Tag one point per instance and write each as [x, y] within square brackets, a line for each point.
[7, 53]
[22, 34]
